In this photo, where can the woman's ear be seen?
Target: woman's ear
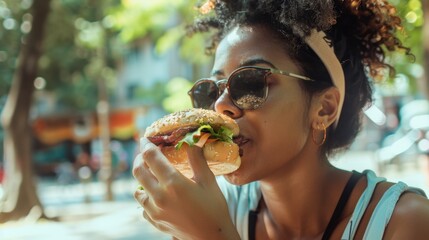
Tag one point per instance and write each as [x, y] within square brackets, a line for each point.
[327, 106]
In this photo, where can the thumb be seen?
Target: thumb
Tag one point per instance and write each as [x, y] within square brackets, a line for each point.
[198, 163]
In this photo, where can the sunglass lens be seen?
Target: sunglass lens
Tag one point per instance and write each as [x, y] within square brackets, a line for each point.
[204, 94]
[248, 88]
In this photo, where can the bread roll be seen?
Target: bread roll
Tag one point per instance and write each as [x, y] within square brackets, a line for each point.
[189, 118]
[222, 157]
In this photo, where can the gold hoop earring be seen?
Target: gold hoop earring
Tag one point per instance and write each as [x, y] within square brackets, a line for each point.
[324, 136]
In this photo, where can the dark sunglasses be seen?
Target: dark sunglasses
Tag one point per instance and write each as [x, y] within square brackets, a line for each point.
[247, 87]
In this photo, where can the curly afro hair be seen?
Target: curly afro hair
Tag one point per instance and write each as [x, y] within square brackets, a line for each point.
[362, 32]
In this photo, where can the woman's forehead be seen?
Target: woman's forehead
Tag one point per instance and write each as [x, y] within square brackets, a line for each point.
[249, 42]
[250, 34]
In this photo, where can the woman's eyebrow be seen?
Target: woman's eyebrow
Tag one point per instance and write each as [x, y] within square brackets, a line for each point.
[256, 61]
[249, 62]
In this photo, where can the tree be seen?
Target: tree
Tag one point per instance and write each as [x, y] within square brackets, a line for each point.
[79, 54]
[163, 23]
[412, 70]
[20, 197]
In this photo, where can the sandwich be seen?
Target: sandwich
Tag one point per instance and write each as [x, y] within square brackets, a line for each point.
[207, 129]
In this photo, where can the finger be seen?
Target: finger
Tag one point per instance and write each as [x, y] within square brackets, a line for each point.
[146, 201]
[143, 175]
[202, 172]
[150, 211]
[160, 226]
[155, 159]
[138, 162]
[141, 197]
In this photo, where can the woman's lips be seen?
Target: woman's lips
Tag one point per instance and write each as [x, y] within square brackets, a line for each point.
[240, 141]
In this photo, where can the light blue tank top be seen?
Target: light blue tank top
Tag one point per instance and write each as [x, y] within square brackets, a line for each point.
[242, 199]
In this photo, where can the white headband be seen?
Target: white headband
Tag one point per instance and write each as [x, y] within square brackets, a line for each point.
[317, 42]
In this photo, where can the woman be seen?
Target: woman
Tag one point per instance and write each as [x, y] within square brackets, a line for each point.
[285, 187]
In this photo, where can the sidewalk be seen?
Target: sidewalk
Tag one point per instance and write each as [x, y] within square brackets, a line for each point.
[95, 220]
[117, 220]
[122, 219]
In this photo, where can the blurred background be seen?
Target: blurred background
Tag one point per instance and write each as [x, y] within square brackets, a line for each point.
[80, 80]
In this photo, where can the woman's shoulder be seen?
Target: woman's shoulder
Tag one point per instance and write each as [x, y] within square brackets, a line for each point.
[384, 206]
[410, 218]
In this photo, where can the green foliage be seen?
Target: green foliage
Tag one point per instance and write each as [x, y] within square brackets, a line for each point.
[86, 39]
[12, 16]
[177, 91]
[164, 22]
[169, 39]
[153, 95]
[134, 18]
[79, 48]
[92, 49]
[408, 68]
[79, 92]
[195, 44]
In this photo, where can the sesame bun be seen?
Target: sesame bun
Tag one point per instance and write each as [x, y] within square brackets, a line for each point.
[222, 157]
[189, 118]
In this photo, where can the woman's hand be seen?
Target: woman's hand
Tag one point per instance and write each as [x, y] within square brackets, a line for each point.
[185, 208]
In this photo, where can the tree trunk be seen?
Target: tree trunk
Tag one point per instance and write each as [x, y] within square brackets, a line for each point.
[103, 109]
[106, 170]
[20, 197]
[425, 41]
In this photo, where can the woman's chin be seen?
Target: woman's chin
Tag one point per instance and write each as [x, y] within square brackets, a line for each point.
[240, 176]
[236, 177]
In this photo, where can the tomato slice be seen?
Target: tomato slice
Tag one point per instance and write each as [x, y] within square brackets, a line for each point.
[203, 139]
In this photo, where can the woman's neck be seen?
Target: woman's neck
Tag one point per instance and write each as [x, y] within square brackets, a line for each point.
[300, 201]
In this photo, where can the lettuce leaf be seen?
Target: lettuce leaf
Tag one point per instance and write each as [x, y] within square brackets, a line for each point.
[222, 134]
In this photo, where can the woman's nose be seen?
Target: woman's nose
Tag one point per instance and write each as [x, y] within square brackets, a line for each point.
[224, 105]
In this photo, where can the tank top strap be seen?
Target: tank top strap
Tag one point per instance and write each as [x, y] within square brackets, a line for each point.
[345, 195]
[362, 204]
[384, 209]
